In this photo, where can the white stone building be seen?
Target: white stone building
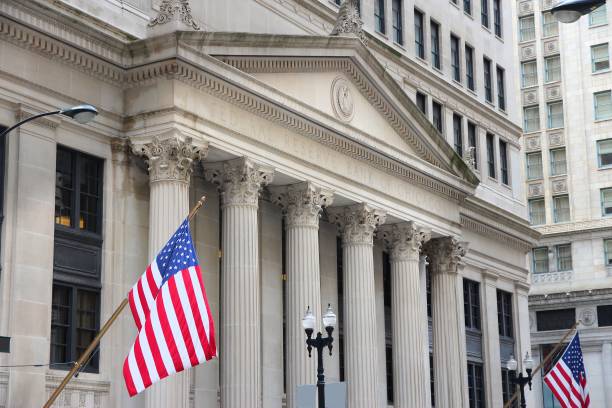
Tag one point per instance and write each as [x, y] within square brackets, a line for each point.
[566, 97]
[379, 171]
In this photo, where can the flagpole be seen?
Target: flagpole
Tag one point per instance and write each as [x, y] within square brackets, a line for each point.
[548, 357]
[92, 346]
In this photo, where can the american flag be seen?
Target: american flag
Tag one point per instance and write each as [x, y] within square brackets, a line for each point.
[567, 379]
[170, 308]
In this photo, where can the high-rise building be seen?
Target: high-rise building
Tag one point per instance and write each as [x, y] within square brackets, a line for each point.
[566, 97]
[377, 169]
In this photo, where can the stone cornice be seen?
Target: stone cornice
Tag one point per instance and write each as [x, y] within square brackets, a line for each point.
[575, 228]
[601, 296]
[480, 227]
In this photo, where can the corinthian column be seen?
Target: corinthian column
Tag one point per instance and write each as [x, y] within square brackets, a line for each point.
[302, 204]
[240, 182]
[448, 332]
[170, 162]
[357, 225]
[408, 311]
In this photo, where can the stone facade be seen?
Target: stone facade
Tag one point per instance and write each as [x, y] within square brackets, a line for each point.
[326, 185]
[565, 178]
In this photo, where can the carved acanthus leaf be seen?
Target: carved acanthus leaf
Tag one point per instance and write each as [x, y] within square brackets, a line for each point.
[239, 180]
[302, 203]
[171, 9]
[349, 21]
[445, 254]
[357, 223]
[404, 240]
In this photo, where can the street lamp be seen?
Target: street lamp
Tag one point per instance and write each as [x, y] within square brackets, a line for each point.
[309, 324]
[81, 113]
[521, 380]
[568, 11]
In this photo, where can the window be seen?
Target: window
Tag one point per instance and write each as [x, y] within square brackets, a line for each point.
[552, 68]
[598, 16]
[504, 314]
[472, 142]
[531, 119]
[467, 6]
[379, 16]
[526, 28]
[561, 319]
[484, 13]
[540, 260]
[419, 34]
[529, 74]
[455, 61]
[396, 11]
[436, 115]
[435, 45]
[458, 134]
[603, 105]
[608, 251]
[503, 161]
[387, 320]
[564, 257]
[537, 211]
[2, 152]
[604, 315]
[488, 80]
[75, 316]
[604, 152]
[507, 387]
[561, 208]
[497, 17]
[491, 155]
[606, 201]
[550, 25]
[558, 163]
[471, 304]
[534, 166]
[600, 59]
[469, 67]
[421, 101]
[555, 115]
[501, 88]
[475, 385]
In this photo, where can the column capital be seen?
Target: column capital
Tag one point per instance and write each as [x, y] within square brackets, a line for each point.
[239, 180]
[446, 254]
[302, 203]
[404, 240]
[357, 222]
[170, 158]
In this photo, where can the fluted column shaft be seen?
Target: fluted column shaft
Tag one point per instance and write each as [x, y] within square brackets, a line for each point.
[240, 182]
[606, 360]
[408, 311]
[445, 255]
[170, 166]
[358, 224]
[302, 204]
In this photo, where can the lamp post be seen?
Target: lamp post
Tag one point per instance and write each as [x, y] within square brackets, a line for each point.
[320, 342]
[521, 380]
[568, 11]
[81, 113]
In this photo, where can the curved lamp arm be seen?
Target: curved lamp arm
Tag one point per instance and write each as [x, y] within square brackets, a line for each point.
[7, 131]
[81, 113]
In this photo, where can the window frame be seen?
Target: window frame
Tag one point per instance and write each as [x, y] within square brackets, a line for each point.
[556, 199]
[594, 62]
[539, 175]
[419, 34]
[603, 192]
[397, 21]
[488, 79]
[420, 96]
[472, 306]
[559, 260]
[472, 134]
[484, 14]
[607, 252]
[476, 390]
[607, 320]
[491, 164]
[505, 314]
[504, 162]
[548, 70]
[601, 9]
[596, 105]
[467, 7]
[538, 124]
[531, 206]
[524, 82]
[501, 87]
[455, 57]
[599, 161]
[436, 49]
[458, 134]
[530, 30]
[469, 68]
[551, 116]
[555, 164]
[439, 125]
[548, 313]
[379, 16]
[497, 19]
[547, 32]
[535, 260]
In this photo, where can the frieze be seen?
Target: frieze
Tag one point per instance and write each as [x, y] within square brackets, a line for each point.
[530, 97]
[552, 277]
[479, 227]
[553, 92]
[528, 52]
[525, 7]
[533, 143]
[559, 186]
[551, 46]
[535, 189]
[79, 392]
[556, 139]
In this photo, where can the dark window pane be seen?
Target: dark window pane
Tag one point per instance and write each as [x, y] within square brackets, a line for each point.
[504, 314]
[467, 6]
[60, 324]
[419, 34]
[497, 17]
[421, 101]
[491, 155]
[458, 134]
[475, 385]
[469, 67]
[389, 365]
[561, 319]
[437, 116]
[503, 161]
[471, 303]
[435, 45]
[432, 381]
[488, 80]
[604, 315]
[396, 11]
[472, 141]
[484, 13]
[64, 187]
[455, 62]
[379, 15]
[501, 89]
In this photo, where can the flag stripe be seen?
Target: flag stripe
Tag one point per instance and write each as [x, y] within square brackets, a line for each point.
[200, 324]
[188, 310]
[133, 308]
[183, 324]
[175, 327]
[141, 363]
[167, 332]
[160, 366]
[567, 378]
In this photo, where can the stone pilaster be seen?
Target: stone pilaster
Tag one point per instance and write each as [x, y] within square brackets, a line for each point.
[302, 204]
[170, 164]
[240, 182]
[408, 314]
[357, 226]
[449, 358]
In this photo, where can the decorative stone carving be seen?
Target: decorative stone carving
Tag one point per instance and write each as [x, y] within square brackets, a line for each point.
[535, 190]
[553, 92]
[552, 277]
[404, 240]
[171, 9]
[547, 4]
[357, 223]
[526, 7]
[530, 97]
[528, 52]
[302, 203]
[551, 47]
[556, 139]
[445, 254]
[349, 21]
[587, 317]
[342, 99]
[469, 157]
[239, 180]
[533, 143]
[170, 159]
[559, 186]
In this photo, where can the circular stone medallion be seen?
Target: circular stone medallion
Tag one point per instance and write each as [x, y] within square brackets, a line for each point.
[342, 99]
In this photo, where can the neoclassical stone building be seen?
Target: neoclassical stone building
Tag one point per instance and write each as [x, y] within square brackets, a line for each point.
[377, 170]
